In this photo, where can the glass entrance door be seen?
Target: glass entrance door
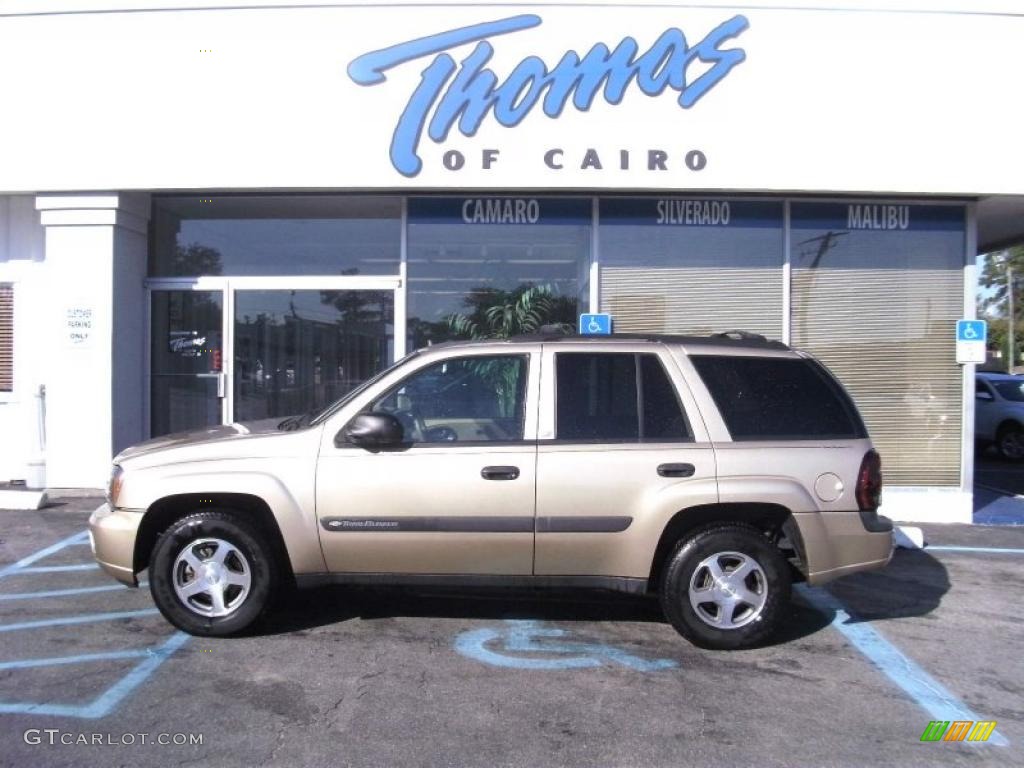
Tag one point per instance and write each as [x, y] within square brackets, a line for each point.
[186, 353]
[299, 350]
[243, 351]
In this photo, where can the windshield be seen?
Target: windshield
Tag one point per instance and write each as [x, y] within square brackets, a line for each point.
[1010, 390]
[344, 399]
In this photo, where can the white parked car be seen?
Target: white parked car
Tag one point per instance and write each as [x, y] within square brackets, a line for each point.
[999, 413]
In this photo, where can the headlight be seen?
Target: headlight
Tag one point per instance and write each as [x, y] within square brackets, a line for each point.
[114, 488]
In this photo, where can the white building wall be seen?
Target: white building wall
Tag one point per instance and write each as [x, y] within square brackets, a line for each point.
[95, 264]
[22, 263]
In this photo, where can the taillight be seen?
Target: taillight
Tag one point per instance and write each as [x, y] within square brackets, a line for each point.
[869, 482]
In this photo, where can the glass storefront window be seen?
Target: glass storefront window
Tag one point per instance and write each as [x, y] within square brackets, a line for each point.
[299, 350]
[262, 235]
[692, 266]
[877, 290]
[482, 267]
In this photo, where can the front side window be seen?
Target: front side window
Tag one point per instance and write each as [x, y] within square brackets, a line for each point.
[614, 397]
[467, 399]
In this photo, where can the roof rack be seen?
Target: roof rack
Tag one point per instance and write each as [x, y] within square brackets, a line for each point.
[727, 339]
[744, 335]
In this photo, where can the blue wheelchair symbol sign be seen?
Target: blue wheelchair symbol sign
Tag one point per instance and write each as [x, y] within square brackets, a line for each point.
[597, 324]
[971, 330]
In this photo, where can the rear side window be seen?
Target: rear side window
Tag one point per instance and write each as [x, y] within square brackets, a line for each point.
[771, 398]
[614, 397]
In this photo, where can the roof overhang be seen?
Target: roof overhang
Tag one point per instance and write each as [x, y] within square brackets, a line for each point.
[1000, 222]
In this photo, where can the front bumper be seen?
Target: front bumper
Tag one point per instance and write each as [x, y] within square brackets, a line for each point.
[112, 535]
[840, 543]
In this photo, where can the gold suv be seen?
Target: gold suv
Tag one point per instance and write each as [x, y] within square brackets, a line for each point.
[713, 471]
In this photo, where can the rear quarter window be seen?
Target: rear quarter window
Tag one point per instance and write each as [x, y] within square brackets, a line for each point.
[776, 398]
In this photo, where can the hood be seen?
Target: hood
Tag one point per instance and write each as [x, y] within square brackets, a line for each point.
[207, 435]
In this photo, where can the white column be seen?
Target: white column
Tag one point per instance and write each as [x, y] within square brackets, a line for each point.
[96, 246]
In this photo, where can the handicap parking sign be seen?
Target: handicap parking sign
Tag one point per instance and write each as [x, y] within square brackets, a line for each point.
[971, 336]
[971, 330]
[596, 324]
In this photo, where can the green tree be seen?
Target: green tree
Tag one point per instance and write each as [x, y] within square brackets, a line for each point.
[995, 306]
[496, 314]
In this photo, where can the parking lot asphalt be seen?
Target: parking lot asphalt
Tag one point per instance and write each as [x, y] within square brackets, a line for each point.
[997, 473]
[446, 678]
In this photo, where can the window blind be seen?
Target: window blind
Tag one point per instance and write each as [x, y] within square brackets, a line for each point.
[6, 337]
[693, 300]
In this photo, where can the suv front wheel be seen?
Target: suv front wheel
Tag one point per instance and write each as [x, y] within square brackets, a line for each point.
[212, 574]
[725, 587]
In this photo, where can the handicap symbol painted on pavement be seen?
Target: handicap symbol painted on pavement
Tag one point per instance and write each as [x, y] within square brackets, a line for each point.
[504, 648]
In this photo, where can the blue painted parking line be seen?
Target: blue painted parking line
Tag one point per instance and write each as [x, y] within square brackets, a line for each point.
[78, 538]
[88, 618]
[988, 550]
[66, 592]
[58, 568]
[927, 692]
[107, 701]
[79, 659]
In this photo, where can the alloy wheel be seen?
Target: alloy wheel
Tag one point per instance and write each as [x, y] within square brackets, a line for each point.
[211, 577]
[728, 590]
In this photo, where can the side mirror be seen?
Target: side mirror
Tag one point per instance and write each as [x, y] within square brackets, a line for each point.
[981, 394]
[371, 430]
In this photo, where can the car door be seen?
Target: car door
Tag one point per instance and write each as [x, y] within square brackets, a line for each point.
[621, 449]
[458, 496]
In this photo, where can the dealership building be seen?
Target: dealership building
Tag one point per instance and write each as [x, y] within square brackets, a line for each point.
[212, 213]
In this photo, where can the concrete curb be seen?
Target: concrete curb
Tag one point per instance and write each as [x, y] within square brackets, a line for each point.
[22, 499]
[908, 537]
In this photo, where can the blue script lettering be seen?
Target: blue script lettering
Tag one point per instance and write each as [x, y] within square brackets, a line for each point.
[449, 93]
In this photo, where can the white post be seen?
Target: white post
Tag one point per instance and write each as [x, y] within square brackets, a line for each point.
[1009, 318]
[96, 246]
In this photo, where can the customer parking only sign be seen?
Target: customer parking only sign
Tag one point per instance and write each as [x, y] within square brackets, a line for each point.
[971, 336]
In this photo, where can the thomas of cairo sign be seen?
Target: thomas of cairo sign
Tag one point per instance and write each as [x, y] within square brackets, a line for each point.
[462, 94]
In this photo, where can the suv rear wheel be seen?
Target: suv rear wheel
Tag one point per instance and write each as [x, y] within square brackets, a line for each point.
[212, 573]
[725, 587]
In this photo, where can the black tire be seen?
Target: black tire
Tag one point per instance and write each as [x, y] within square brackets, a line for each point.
[1010, 442]
[254, 557]
[720, 539]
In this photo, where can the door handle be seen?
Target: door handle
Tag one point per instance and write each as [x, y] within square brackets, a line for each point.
[676, 470]
[222, 383]
[499, 473]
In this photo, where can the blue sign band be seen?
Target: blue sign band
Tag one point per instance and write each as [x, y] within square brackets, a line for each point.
[499, 210]
[692, 212]
[878, 217]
